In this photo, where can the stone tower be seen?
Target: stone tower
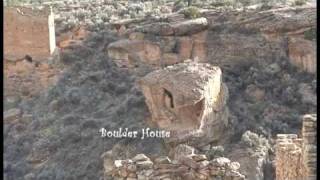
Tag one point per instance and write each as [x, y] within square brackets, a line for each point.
[296, 158]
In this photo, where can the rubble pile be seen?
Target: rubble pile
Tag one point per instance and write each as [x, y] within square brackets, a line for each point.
[194, 166]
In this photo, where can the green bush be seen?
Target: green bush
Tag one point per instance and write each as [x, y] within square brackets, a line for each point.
[310, 34]
[266, 7]
[221, 3]
[299, 2]
[244, 3]
[191, 12]
[214, 152]
[253, 140]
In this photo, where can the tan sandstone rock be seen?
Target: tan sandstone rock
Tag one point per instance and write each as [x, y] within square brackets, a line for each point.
[182, 98]
[302, 53]
[130, 52]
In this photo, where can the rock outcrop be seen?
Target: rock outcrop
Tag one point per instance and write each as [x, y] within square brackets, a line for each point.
[302, 53]
[188, 99]
[230, 39]
[165, 43]
[187, 27]
[296, 157]
[128, 53]
[189, 167]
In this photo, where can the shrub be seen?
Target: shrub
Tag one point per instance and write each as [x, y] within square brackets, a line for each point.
[214, 152]
[299, 2]
[178, 5]
[221, 3]
[310, 34]
[244, 3]
[266, 7]
[253, 140]
[191, 12]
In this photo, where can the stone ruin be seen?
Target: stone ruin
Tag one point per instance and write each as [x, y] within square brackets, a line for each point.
[28, 31]
[189, 167]
[296, 158]
[189, 100]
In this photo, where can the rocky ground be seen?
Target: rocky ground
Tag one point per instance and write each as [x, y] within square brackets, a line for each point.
[51, 131]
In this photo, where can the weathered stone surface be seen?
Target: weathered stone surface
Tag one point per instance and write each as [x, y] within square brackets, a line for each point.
[144, 164]
[296, 157]
[170, 58]
[179, 29]
[136, 36]
[20, 25]
[190, 26]
[182, 150]
[130, 52]
[162, 160]
[234, 166]
[186, 168]
[188, 161]
[302, 54]
[185, 95]
[140, 157]
[198, 157]
[12, 114]
[184, 47]
[221, 161]
[108, 162]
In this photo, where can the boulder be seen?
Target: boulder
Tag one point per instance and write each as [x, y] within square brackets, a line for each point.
[11, 114]
[190, 26]
[140, 157]
[183, 28]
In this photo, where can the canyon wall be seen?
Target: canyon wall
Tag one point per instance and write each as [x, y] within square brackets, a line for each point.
[226, 39]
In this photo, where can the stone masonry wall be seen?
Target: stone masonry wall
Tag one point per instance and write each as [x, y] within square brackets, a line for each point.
[289, 157]
[26, 32]
[309, 148]
[296, 157]
[189, 167]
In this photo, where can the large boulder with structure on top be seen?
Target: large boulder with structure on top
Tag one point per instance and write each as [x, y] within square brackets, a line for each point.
[188, 99]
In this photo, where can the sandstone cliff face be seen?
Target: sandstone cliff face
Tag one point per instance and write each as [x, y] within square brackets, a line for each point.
[302, 53]
[171, 43]
[188, 99]
[229, 39]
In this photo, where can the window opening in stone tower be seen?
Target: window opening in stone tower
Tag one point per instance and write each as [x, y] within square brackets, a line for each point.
[168, 97]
